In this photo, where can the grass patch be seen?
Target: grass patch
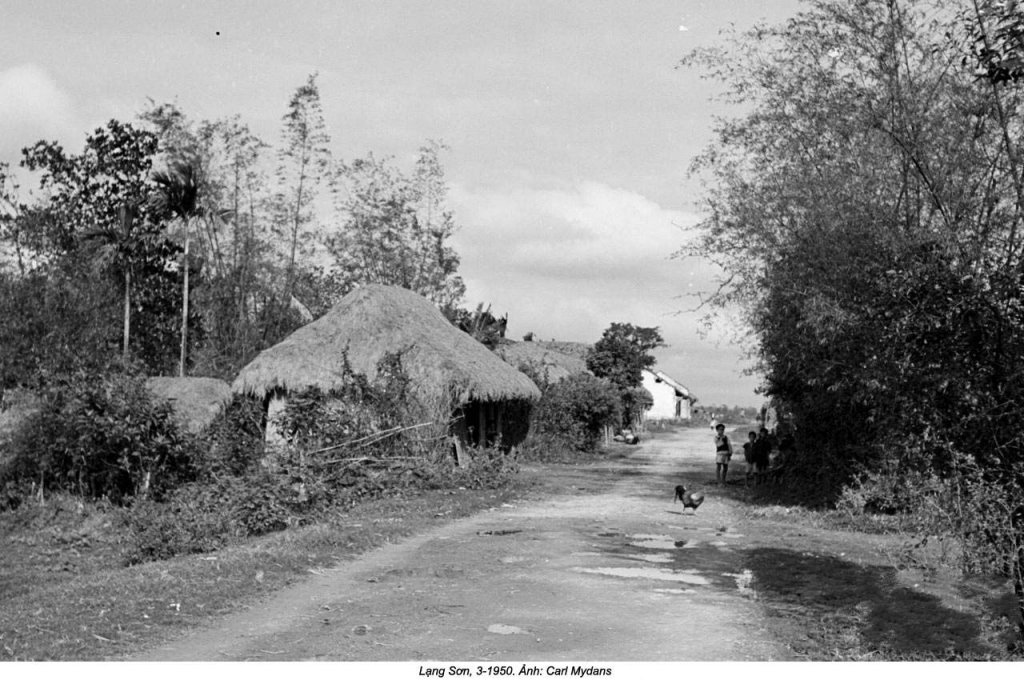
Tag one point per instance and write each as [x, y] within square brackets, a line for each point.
[65, 594]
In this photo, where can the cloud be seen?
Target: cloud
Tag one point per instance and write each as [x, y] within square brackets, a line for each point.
[570, 233]
[32, 107]
[565, 263]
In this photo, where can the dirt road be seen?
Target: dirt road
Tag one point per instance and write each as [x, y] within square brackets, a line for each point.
[619, 575]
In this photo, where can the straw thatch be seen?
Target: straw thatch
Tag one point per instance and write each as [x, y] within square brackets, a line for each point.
[578, 350]
[196, 401]
[376, 320]
[552, 365]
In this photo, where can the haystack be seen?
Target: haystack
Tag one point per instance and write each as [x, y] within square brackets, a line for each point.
[195, 401]
[441, 361]
[549, 364]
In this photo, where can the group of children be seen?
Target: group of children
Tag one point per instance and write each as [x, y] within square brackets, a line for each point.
[757, 452]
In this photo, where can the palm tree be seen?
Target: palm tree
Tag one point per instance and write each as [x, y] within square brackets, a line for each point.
[177, 195]
[117, 248]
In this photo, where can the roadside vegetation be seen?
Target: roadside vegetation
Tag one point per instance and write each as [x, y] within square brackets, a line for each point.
[867, 205]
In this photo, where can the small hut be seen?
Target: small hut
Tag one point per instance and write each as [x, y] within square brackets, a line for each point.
[549, 364]
[195, 401]
[491, 399]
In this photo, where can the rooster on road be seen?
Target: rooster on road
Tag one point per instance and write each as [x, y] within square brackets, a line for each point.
[689, 500]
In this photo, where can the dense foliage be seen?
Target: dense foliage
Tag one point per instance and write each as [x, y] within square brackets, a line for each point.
[620, 356]
[571, 416]
[867, 205]
[92, 270]
[92, 262]
[99, 436]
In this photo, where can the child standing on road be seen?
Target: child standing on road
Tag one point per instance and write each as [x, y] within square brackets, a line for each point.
[723, 453]
[748, 456]
[761, 451]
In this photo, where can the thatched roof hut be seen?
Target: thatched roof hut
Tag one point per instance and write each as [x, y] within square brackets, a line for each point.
[440, 360]
[549, 363]
[375, 320]
[195, 401]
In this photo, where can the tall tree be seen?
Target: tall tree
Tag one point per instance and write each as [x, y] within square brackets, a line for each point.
[622, 353]
[11, 213]
[396, 229]
[92, 217]
[866, 203]
[620, 356]
[177, 195]
[304, 170]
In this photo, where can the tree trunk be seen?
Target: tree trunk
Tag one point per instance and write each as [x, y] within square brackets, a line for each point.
[127, 312]
[184, 310]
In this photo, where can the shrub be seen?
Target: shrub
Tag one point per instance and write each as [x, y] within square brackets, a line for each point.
[236, 438]
[100, 436]
[190, 520]
[491, 467]
[261, 505]
[571, 416]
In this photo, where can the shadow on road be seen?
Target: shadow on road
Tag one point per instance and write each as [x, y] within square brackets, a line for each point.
[889, 615]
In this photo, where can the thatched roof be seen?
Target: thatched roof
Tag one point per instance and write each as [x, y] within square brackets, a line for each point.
[578, 350]
[554, 365]
[196, 401]
[370, 322]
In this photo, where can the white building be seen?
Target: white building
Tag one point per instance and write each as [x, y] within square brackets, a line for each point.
[671, 399]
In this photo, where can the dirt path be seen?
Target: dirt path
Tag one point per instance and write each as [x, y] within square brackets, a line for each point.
[620, 575]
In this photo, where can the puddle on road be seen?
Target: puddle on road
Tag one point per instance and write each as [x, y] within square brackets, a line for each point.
[706, 561]
[658, 558]
[688, 576]
[504, 629]
[675, 591]
[654, 541]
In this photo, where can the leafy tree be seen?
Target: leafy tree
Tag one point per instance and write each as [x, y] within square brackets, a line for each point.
[481, 324]
[304, 168]
[621, 354]
[11, 213]
[572, 415]
[92, 220]
[243, 301]
[866, 206]
[396, 230]
[996, 35]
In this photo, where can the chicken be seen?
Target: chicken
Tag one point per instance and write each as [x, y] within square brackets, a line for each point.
[690, 500]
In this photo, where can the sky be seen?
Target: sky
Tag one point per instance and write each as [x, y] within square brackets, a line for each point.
[570, 130]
